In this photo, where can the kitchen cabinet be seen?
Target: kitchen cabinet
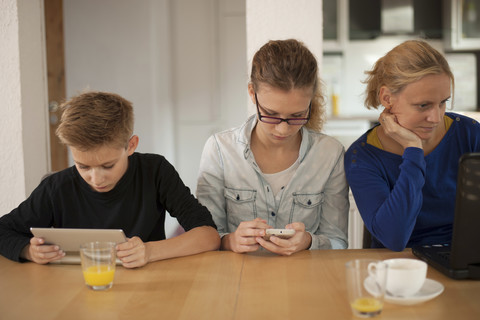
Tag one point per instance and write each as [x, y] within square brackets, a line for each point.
[355, 37]
[335, 24]
[354, 20]
[457, 22]
[462, 24]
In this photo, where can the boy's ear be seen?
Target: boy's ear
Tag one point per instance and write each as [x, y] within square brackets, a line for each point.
[132, 145]
[385, 96]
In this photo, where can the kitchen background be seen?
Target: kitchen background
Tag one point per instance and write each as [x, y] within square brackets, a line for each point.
[357, 33]
[185, 64]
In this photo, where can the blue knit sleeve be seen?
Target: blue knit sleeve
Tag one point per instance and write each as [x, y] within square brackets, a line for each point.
[387, 190]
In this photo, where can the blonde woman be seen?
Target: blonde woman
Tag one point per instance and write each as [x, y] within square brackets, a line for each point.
[403, 172]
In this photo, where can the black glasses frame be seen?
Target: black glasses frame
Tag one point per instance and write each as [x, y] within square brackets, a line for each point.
[275, 120]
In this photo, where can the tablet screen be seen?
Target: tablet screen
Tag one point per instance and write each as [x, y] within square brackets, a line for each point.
[70, 239]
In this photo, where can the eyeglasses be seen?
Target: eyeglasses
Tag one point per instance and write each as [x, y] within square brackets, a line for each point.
[275, 120]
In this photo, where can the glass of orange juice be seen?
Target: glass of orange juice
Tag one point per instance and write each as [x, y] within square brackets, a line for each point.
[366, 282]
[98, 264]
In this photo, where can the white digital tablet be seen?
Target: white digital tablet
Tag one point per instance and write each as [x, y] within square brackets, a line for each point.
[70, 239]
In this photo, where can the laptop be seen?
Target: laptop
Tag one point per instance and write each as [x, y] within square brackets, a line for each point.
[461, 259]
[70, 240]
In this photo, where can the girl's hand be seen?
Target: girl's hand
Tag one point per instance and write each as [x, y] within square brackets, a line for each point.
[285, 247]
[244, 238]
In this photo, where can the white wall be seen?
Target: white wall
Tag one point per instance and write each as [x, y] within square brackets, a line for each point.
[284, 19]
[210, 78]
[122, 46]
[23, 125]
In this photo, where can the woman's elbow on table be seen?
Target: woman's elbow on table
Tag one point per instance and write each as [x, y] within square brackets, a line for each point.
[395, 244]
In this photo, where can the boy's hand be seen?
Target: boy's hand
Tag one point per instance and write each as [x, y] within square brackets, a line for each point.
[300, 241]
[41, 253]
[133, 253]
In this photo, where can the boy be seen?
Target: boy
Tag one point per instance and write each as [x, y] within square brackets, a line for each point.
[110, 187]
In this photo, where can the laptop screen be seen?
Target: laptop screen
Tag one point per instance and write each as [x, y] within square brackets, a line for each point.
[466, 228]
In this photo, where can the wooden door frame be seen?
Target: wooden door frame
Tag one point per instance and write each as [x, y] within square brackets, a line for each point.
[55, 54]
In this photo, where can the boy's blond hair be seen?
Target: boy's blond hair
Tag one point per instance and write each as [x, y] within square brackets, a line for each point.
[95, 119]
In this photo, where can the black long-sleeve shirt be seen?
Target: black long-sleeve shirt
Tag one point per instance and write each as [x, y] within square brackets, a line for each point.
[138, 204]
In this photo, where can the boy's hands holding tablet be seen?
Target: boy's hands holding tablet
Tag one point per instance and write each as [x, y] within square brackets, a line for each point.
[133, 253]
[285, 242]
[38, 252]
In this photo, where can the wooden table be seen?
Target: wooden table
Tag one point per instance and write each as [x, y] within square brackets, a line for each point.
[218, 285]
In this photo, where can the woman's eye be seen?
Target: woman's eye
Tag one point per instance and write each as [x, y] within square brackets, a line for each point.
[108, 167]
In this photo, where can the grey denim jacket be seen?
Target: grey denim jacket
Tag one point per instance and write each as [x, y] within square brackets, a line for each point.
[232, 187]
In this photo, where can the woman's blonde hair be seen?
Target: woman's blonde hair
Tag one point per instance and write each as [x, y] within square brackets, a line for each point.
[403, 65]
[95, 119]
[287, 65]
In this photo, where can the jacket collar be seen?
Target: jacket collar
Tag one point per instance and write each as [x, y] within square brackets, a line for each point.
[244, 136]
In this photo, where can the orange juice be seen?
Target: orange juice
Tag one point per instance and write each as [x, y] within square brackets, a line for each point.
[100, 275]
[367, 306]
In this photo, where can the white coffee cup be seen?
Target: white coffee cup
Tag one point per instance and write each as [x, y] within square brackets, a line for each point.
[405, 277]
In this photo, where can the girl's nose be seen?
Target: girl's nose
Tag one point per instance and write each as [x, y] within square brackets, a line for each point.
[283, 127]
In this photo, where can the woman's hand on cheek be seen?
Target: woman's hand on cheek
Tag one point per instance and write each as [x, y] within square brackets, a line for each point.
[395, 131]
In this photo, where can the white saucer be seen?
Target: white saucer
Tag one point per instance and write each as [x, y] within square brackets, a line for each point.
[429, 290]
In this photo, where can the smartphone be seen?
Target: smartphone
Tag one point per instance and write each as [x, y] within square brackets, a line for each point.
[281, 233]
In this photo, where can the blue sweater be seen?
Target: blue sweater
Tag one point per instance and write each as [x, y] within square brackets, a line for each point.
[409, 200]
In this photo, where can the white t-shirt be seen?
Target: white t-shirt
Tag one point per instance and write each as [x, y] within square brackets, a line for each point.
[280, 179]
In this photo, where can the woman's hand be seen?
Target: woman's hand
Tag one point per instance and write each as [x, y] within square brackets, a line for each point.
[244, 238]
[285, 247]
[395, 131]
[41, 253]
[133, 253]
